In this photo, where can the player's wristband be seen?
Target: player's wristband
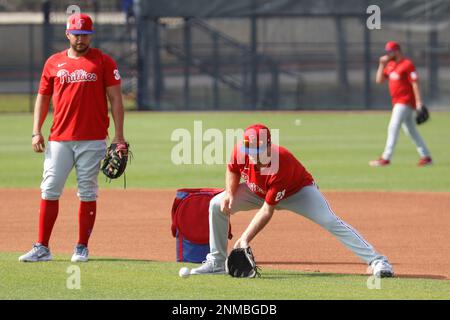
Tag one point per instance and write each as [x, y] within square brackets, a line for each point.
[36, 134]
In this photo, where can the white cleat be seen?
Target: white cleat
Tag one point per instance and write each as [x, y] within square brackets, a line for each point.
[209, 267]
[81, 254]
[382, 268]
[36, 254]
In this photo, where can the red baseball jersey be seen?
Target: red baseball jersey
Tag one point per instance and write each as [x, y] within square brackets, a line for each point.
[79, 87]
[290, 177]
[401, 75]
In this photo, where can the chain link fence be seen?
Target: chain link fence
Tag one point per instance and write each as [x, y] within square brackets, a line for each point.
[301, 63]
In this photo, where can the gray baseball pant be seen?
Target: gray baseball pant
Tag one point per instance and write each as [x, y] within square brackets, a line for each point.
[308, 202]
[403, 116]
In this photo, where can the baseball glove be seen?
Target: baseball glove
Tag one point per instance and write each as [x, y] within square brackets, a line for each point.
[115, 161]
[422, 115]
[241, 263]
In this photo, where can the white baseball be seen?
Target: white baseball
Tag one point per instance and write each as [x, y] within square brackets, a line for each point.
[184, 272]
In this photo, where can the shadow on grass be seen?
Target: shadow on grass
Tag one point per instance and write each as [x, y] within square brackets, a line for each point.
[120, 260]
[62, 259]
[309, 263]
[304, 275]
[340, 275]
[421, 276]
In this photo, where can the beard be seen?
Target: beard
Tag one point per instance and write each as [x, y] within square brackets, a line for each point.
[80, 48]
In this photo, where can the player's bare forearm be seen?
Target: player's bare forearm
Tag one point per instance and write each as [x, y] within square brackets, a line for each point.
[259, 221]
[114, 94]
[40, 112]
[231, 182]
[416, 90]
[380, 78]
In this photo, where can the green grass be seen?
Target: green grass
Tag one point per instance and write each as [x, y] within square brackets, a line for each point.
[335, 147]
[16, 102]
[138, 279]
[24, 102]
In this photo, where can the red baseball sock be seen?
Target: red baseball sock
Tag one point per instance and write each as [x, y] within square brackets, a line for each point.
[48, 213]
[86, 220]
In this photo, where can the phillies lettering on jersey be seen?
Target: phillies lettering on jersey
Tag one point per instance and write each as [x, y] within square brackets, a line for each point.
[79, 87]
[290, 177]
[401, 75]
[76, 76]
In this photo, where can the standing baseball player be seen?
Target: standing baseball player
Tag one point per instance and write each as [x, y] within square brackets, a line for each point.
[274, 179]
[405, 93]
[80, 79]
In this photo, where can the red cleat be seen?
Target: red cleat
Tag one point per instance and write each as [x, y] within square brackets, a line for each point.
[426, 161]
[379, 163]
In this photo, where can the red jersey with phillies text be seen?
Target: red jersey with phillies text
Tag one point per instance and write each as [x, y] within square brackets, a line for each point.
[288, 178]
[401, 75]
[78, 87]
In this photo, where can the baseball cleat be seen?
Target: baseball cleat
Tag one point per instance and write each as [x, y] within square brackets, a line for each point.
[382, 269]
[379, 163]
[81, 254]
[209, 267]
[36, 254]
[426, 161]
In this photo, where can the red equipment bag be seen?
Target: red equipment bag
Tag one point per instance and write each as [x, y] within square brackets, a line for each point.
[190, 223]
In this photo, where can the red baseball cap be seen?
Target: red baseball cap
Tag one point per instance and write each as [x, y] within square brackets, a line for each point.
[256, 139]
[80, 23]
[391, 46]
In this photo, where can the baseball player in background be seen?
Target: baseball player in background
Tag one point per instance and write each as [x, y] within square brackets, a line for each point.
[279, 181]
[405, 93]
[79, 79]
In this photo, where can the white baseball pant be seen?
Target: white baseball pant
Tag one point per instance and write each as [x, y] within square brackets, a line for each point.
[61, 157]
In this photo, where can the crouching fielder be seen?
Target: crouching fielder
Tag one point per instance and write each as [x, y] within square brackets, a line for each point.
[274, 179]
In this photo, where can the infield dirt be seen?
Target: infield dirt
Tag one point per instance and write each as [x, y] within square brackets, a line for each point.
[411, 228]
